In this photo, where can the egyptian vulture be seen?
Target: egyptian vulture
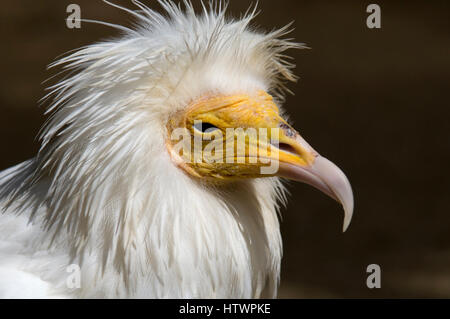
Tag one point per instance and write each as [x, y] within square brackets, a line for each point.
[111, 196]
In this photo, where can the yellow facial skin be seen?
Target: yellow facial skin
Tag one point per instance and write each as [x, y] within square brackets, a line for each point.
[245, 111]
[294, 158]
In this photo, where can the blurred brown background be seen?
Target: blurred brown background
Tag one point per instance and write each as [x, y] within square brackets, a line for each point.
[374, 101]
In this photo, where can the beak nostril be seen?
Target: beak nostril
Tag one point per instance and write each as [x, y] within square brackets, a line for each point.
[287, 148]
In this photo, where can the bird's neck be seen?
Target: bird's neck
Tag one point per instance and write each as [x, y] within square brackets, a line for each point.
[170, 237]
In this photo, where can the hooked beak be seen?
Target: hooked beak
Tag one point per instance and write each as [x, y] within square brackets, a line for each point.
[302, 163]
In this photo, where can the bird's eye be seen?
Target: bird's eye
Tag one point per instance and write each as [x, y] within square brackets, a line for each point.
[205, 127]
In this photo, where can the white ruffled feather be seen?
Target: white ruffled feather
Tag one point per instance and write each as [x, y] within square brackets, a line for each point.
[102, 191]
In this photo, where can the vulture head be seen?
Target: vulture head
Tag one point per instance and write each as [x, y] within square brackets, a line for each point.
[161, 163]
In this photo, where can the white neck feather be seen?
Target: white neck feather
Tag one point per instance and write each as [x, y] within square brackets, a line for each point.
[148, 236]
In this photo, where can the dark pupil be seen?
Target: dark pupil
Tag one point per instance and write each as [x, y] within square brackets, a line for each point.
[204, 127]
